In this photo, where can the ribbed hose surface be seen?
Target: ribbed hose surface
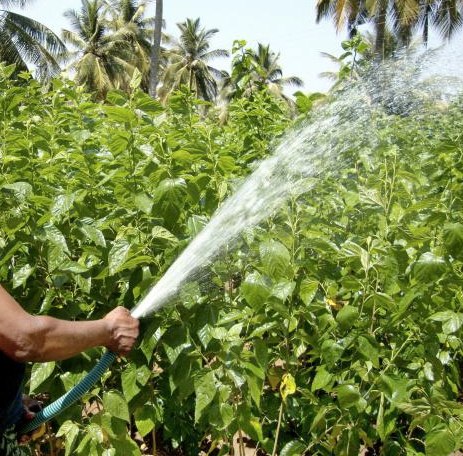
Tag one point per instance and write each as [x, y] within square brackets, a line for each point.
[67, 399]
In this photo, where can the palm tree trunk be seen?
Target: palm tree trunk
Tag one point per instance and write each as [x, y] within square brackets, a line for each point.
[426, 25]
[156, 49]
[380, 26]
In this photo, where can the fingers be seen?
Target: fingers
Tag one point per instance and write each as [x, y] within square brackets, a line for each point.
[124, 330]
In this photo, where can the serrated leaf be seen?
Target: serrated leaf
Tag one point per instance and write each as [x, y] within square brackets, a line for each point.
[331, 352]
[293, 448]
[275, 258]
[451, 321]
[115, 404]
[261, 352]
[93, 234]
[308, 290]
[429, 267]
[453, 239]
[21, 190]
[118, 255]
[159, 232]
[255, 289]
[143, 202]
[227, 414]
[21, 275]
[347, 316]
[61, 205]
[70, 431]
[55, 237]
[322, 379]
[205, 390]
[440, 441]
[348, 395]
[145, 419]
[40, 373]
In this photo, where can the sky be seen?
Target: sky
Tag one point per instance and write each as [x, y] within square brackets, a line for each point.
[288, 27]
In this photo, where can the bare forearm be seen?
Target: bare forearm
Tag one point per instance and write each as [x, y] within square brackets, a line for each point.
[25, 337]
[59, 339]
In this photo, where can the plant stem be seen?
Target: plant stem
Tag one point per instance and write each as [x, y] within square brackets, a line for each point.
[240, 443]
[280, 416]
[153, 434]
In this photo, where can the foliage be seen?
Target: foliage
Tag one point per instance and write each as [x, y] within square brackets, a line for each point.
[334, 326]
[394, 20]
[102, 59]
[190, 62]
[28, 43]
[255, 70]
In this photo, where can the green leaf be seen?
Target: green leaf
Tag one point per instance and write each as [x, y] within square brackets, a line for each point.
[146, 103]
[159, 232]
[70, 431]
[61, 205]
[453, 239]
[129, 378]
[195, 224]
[21, 190]
[367, 347]
[429, 267]
[124, 445]
[275, 258]
[55, 237]
[348, 395]
[255, 386]
[171, 190]
[261, 352]
[451, 321]
[308, 290]
[143, 202]
[293, 448]
[440, 442]
[95, 432]
[227, 414]
[205, 389]
[115, 404]
[119, 114]
[93, 234]
[20, 276]
[40, 373]
[145, 419]
[255, 289]
[226, 163]
[322, 379]
[117, 255]
[331, 352]
[347, 316]
[150, 340]
[283, 289]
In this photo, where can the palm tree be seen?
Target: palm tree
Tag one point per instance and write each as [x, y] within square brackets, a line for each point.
[253, 70]
[27, 43]
[155, 55]
[406, 17]
[101, 60]
[188, 62]
[269, 73]
[126, 18]
[352, 12]
[445, 15]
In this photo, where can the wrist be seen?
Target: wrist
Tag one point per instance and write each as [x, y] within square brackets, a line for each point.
[105, 332]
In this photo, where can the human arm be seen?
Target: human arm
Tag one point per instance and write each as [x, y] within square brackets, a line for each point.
[24, 337]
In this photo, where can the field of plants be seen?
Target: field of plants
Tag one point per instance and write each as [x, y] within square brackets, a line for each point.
[332, 328]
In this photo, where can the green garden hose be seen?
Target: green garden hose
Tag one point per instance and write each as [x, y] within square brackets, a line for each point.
[67, 399]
